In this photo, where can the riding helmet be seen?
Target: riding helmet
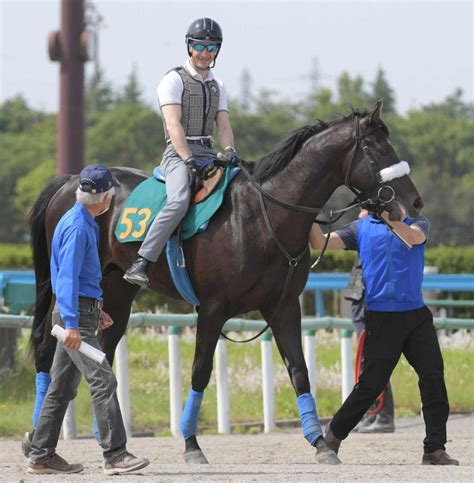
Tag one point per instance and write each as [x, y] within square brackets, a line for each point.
[204, 29]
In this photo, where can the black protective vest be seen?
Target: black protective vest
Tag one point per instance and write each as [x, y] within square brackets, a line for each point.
[199, 105]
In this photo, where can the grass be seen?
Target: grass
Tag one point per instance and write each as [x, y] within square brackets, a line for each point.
[148, 370]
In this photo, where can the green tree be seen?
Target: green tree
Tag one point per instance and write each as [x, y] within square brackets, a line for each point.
[440, 149]
[351, 92]
[381, 90]
[320, 105]
[131, 93]
[246, 97]
[29, 187]
[98, 94]
[16, 116]
[28, 141]
[128, 135]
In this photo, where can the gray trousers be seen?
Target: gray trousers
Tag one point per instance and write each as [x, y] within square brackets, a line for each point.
[178, 196]
[68, 366]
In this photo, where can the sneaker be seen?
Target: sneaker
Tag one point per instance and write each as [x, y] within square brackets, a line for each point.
[136, 274]
[26, 443]
[382, 424]
[331, 440]
[53, 464]
[124, 462]
[438, 457]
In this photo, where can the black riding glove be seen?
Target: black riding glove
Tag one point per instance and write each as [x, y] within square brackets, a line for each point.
[231, 155]
[192, 169]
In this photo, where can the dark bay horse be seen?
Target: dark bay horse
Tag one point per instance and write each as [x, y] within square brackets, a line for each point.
[235, 266]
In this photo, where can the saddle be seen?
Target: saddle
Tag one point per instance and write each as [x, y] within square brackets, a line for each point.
[206, 185]
[149, 198]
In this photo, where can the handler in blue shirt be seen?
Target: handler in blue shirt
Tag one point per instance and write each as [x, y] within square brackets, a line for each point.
[75, 280]
[397, 322]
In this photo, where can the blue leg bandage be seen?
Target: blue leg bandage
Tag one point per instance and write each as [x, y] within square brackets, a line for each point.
[42, 382]
[189, 418]
[309, 419]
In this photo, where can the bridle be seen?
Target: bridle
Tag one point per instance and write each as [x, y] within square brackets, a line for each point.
[376, 203]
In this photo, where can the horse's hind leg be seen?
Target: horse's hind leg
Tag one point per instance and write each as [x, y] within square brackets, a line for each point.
[207, 334]
[286, 327]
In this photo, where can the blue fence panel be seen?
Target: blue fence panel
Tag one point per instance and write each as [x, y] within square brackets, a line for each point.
[317, 283]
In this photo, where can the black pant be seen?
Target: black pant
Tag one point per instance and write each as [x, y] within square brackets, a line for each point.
[389, 335]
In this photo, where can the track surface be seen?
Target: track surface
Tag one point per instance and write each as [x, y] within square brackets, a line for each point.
[281, 456]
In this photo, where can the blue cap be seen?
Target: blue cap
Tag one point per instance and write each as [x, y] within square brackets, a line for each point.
[96, 178]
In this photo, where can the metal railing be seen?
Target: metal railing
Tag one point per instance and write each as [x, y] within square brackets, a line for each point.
[176, 323]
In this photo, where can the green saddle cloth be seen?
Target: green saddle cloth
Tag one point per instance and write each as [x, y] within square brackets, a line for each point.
[149, 198]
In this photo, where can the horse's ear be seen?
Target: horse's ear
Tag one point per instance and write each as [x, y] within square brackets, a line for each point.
[374, 113]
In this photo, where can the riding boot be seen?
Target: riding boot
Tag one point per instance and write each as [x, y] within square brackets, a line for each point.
[137, 273]
[384, 421]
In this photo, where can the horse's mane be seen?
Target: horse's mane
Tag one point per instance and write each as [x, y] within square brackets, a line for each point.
[276, 161]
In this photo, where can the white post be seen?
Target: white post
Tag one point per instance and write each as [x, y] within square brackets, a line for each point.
[346, 363]
[174, 357]
[69, 422]
[309, 339]
[267, 383]
[123, 386]
[222, 380]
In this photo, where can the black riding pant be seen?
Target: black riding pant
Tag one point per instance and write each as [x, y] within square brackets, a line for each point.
[388, 336]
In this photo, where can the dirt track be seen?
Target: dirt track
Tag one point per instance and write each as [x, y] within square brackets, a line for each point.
[283, 456]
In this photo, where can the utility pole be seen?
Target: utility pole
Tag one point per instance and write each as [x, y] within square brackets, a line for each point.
[71, 47]
[94, 22]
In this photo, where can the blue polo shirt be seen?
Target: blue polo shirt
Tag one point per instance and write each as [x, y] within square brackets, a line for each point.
[392, 274]
[75, 263]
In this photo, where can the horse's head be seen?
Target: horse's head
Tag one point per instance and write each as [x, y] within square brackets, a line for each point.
[375, 170]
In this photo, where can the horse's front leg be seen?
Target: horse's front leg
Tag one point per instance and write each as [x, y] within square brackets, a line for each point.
[286, 327]
[207, 334]
[118, 297]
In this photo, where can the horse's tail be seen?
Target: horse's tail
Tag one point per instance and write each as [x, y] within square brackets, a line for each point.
[39, 245]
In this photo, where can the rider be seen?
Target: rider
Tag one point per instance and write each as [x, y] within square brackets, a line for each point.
[191, 99]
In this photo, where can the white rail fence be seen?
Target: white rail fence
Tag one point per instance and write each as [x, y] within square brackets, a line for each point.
[175, 323]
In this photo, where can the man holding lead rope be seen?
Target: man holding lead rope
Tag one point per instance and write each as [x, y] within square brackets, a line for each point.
[397, 320]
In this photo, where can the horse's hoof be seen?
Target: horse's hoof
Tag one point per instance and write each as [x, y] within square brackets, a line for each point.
[325, 455]
[195, 457]
[26, 443]
[327, 458]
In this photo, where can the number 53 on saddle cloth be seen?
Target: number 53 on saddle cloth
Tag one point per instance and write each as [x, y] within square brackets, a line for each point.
[147, 200]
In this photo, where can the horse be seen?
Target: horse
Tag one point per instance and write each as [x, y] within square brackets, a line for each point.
[237, 265]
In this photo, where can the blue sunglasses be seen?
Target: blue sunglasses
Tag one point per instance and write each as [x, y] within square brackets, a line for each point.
[212, 48]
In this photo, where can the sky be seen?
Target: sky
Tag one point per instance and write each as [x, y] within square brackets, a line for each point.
[424, 47]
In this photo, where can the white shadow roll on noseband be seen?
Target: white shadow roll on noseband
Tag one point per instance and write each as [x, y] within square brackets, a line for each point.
[395, 171]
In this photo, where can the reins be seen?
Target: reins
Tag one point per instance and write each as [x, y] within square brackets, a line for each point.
[294, 261]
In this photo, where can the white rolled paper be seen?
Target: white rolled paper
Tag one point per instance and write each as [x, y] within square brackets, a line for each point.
[84, 348]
